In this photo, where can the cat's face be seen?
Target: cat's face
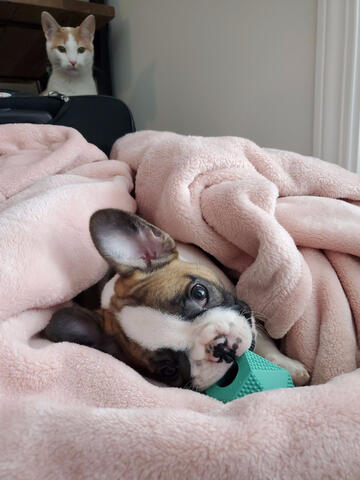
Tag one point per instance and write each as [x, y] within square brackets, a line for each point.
[69, 49]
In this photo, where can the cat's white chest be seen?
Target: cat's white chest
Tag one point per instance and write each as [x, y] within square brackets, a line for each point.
[84, 85]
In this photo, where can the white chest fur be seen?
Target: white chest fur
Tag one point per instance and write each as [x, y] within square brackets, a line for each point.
[82, 84]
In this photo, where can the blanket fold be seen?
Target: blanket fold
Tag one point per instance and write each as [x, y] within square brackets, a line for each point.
[287, 224]
[70, 412]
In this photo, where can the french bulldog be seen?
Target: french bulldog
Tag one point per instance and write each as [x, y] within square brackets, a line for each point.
[176, 322]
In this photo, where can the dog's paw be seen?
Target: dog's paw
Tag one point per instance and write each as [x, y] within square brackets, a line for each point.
[300, 376]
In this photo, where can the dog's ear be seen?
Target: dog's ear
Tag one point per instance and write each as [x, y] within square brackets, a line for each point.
[128, 243]
[80, 325]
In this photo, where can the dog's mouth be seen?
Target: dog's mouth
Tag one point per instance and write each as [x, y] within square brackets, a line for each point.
[221, 355]
[222, 349]
[227, 353]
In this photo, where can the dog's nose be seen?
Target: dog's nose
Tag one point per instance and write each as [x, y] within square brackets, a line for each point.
[224, 352]
[224, 348]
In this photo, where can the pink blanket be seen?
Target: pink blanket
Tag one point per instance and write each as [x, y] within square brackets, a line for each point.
[289, 224]
[71, 412]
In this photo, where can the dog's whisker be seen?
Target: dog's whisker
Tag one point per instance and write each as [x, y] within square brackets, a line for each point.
[260, 316]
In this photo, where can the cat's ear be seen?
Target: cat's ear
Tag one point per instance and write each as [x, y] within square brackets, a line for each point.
[49, 25]
[87, 28]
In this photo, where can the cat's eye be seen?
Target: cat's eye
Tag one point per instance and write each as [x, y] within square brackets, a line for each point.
[81, 50]
[61, 49]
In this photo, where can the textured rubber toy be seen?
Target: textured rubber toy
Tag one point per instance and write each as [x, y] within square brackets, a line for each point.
[250, 373]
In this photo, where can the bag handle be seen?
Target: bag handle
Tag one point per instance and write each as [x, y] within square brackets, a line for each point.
[56, 104]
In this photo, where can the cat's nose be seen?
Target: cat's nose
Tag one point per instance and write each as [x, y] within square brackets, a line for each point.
[73, 62]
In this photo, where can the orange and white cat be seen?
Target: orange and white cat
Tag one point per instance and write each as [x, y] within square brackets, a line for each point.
[71, 53]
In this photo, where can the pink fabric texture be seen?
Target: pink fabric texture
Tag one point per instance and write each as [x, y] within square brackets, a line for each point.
[288, 224]
[71, 412]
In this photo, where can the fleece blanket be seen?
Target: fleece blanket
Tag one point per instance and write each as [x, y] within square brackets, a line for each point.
[71, 412]
[288, 226]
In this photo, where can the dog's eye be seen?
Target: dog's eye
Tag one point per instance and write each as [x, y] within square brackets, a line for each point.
[200, 294]
[168, 371]
[61, 49]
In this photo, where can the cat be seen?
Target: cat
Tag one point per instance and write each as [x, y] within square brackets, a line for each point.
[71, 53]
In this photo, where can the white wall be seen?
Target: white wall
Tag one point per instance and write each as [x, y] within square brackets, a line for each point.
[218, 67]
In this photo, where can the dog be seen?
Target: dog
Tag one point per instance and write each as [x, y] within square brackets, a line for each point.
[176, 322]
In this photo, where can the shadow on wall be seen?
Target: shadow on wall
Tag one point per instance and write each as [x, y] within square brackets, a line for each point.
[140, 92]
[120, 46]
[142, 97]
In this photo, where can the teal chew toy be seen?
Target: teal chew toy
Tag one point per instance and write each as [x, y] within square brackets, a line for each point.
[249, 373]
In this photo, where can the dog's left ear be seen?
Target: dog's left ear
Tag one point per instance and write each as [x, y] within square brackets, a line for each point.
[128, 243]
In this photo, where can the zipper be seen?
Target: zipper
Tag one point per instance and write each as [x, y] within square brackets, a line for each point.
[59, 95]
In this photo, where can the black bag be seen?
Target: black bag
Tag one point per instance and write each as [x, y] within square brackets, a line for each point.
[99, 118]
